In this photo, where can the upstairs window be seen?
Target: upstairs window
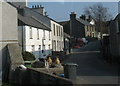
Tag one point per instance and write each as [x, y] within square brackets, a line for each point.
[57, 30]
[30, 31]
[37, 33]
[61, 32]
[49, 35]
[54, 29]
[44, 34]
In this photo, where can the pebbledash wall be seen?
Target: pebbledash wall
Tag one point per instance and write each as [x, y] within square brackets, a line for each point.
[36, 41]
[57, 36]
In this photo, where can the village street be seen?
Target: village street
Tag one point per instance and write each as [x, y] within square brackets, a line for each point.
[92, 69]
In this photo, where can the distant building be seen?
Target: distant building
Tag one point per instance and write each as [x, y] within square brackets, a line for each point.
[80, 28]
[114, 37]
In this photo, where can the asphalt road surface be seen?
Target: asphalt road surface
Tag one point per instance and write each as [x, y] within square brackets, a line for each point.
[92, 69]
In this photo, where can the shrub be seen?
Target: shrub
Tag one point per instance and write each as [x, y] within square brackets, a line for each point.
[27, 56]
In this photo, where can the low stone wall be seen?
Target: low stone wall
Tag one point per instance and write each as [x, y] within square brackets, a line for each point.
[37, 77]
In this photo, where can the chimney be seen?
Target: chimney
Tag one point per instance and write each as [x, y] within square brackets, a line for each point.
[72, 16]
[32, 6]
[37, 6]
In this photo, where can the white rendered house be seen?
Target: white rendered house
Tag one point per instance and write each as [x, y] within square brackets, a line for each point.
[34, 36]
[57, 36]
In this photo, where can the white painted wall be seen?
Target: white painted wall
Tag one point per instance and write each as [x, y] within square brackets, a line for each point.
[59, 45]
[28, 42]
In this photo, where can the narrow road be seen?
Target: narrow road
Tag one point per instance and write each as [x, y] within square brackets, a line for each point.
[91, 68]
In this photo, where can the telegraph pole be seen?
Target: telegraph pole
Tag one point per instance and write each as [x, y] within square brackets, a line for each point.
[70, 42]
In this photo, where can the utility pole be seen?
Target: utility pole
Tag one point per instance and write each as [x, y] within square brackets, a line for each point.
[100, 27]
[70, 42]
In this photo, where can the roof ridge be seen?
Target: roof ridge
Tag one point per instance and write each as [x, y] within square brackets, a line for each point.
[43, 15]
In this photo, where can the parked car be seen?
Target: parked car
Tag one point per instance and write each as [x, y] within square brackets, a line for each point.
[85, 41]
[76, 46]
[80, 41]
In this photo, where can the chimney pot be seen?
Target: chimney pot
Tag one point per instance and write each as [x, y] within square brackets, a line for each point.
[72, 15]
[72, 12]
[37, 6]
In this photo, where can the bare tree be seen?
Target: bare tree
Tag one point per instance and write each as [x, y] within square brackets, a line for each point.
[100, 14]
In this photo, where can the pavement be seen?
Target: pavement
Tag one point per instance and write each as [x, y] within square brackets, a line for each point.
[92, 69]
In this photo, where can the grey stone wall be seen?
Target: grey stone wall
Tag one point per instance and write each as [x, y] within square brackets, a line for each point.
[37, 77]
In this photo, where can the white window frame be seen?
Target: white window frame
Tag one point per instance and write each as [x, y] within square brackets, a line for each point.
[31, 32]
[54, 31]
[38, 34]
[49, 35]
[44, 34]
[32, 48]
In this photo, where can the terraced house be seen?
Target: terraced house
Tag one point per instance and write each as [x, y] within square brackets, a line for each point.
[78, 27]
[34, 36]
[37, 32]
[57, 36]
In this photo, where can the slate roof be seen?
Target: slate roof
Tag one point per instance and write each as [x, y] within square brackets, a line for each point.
[118, 16]
[43, 15]
[32, 21]
[83, 21]
[78, 19]
[64, 22]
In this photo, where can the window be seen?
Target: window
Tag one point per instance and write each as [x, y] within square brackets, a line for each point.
[37, 33]
[39, 49]
[43, 47]
[54, 29]
[44, 34]
[58, 45]
[87, 28]
[57, 30]
[54, 45]
[93, 35]
[33, 48]
[91, 28]
[30, 32]
[49, 35]
[61, 32]
[49, 48]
